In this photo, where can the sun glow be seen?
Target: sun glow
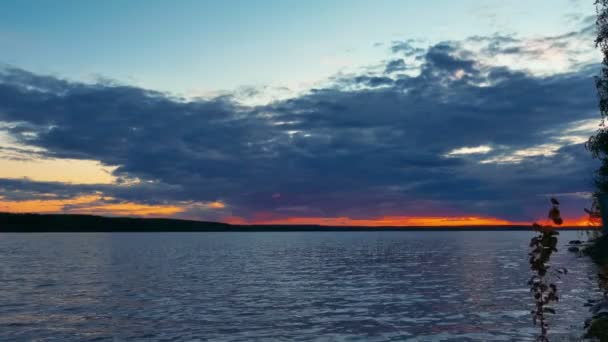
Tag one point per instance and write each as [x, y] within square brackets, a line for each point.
[91, 204]
[400, 221]
[130, 209]
[482, 149]
[216, 205]
[387, 221]
[97, 204]
[18, 161]
[72, 171]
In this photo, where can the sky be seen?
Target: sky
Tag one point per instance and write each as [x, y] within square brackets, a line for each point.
[329, 112]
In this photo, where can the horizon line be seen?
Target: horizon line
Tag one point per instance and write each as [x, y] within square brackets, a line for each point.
[271, 224]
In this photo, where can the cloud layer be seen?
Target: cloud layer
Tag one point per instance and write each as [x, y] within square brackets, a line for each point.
[457, 128]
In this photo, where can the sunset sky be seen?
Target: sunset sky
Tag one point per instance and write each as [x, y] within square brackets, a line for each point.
[343, 112]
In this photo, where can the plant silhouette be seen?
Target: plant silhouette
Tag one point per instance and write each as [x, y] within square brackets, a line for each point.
[543, 289]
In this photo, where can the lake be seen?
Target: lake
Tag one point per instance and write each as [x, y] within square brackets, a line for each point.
[294, 286]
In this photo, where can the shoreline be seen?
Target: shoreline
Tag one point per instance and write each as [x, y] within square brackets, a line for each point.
[68, 223]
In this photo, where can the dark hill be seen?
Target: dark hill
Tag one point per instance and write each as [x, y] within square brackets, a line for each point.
[90, 223]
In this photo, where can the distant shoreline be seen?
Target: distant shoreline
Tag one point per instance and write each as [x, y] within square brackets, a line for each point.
[62, 223]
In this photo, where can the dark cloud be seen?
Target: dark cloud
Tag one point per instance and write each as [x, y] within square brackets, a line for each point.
[373, 81]
[370, 145]
[406, 48]
[442, 58]
[395, 65]
[567, 43]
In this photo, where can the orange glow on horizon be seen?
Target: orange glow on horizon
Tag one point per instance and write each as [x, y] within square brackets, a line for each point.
[582, 221]
[217, 205]
[130, 209]
[235, 220]
[99, 205]
[43, 206]
[388, 221]
[91, 204]
[400, 221]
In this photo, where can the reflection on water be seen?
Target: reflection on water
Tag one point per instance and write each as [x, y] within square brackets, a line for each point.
[369, 286]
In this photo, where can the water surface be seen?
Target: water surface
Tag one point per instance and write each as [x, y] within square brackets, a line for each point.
[329, 286]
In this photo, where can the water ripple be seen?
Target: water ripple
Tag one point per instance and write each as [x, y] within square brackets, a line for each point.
[373, 286]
